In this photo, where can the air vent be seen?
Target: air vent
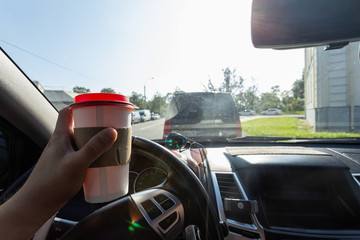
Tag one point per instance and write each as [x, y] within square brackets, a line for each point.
[229, 189]
[227, 186]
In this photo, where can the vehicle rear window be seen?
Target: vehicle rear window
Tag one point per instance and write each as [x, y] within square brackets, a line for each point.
[194, 108]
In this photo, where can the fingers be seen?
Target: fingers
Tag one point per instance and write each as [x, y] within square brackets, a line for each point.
[96, 146]
[65, 120]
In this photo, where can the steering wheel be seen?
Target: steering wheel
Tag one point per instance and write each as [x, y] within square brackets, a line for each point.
[156, 213]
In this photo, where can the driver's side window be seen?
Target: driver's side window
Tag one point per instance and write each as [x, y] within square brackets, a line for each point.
[4, 160]
[17, 154]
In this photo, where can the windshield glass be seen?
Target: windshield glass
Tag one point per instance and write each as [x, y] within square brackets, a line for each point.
[188, 67]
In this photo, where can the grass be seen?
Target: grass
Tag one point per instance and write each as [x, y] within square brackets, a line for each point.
[288, 127]
[293, 112]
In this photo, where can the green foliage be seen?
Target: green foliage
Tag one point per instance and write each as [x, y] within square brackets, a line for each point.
[178, 90]
[251, 100]
[210, 86]
[78, 89]
[248, 99]
[298, 88]
[137, 99]
[158, 104]
[288, 101]
[107, 90]
[269, 100]
[294, 100]
[275, 90]
[231, 83]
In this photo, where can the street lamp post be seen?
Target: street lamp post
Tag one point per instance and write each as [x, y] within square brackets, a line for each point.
[145, 95]
[145, 91]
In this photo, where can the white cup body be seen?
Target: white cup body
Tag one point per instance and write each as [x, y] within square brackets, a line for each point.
[104, 184]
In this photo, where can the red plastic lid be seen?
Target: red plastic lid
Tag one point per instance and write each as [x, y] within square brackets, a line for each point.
[101, 98]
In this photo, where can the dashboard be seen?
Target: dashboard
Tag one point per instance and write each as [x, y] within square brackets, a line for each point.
[277, 192]
[287, 192]
[145, 173]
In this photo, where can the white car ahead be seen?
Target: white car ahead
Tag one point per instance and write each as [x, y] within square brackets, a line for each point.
[247, 112]
[271, 111]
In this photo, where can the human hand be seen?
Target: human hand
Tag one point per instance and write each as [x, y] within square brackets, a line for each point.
[57, 176]
[61, 169]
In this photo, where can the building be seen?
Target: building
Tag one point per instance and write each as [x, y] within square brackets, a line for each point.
[58, 98]
[332, 88]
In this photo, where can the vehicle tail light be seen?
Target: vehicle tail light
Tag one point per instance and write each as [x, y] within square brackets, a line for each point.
[167, 128]
[238, 130]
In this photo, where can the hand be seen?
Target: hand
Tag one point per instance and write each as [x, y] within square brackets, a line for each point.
[56, 178]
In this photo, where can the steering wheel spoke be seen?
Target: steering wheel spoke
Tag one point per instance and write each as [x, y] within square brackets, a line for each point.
[120, 219]
[149, 214]
[162, 210]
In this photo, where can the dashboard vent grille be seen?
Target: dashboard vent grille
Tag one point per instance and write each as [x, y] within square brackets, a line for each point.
[229, 189]
[227, 186]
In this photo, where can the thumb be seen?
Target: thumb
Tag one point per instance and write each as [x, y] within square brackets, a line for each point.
[97, 145]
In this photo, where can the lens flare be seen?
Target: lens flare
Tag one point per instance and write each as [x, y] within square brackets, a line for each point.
[134, 225]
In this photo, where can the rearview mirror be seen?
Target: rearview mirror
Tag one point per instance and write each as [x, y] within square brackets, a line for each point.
[282, 24]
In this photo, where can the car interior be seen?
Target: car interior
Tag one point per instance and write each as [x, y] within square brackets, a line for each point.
[242, 189]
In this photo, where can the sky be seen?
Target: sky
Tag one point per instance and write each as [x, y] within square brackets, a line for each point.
[126, 45]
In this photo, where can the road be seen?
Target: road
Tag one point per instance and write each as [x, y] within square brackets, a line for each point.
[154, 129]
[151, 129]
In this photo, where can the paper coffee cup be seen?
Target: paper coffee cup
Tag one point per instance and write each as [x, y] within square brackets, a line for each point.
[108, 177]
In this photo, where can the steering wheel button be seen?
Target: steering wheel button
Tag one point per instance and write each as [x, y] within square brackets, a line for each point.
[154, 213]
[167, 204]
[151, 209]
[166, 223]
[148, 205]
[160, 198]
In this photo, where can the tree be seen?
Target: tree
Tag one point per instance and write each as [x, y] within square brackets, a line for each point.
[287, 100]
[294, 100]
[298, 88]
[78, 89]
[250, 97]
[232, 83]
[210, 87]
[169, 96]
[137, 99]
[178, 90]
[270, 99]
[298, 94]
[158, 104]
[107, 90]
[275, 89]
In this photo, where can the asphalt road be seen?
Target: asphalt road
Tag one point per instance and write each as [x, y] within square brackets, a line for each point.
[154, 129]
[151, 129]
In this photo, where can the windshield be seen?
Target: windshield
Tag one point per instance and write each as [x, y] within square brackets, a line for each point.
[190, 62]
